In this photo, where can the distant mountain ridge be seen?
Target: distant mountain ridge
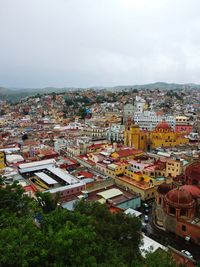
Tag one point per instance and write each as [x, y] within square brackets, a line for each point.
[15, 94]
[161, 85]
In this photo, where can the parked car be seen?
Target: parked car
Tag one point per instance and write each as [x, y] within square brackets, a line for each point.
[187, 253]
[146, 218]
[144, 227]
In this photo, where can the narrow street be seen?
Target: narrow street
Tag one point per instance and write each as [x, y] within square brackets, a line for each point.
[170, 239]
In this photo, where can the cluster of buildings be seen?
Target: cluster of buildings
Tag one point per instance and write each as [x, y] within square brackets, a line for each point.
[121, 149]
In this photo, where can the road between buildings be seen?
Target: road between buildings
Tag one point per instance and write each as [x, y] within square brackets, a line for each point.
[170, 239]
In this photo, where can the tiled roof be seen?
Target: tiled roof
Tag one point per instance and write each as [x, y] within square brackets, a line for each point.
[86, 174]
[128, 152]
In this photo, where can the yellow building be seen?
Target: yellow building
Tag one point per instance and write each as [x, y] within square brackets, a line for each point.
[2, 160]
[145, 190]
[115, 169]
[134, 137]
[173, 168]
[162, 136]
[125, 154]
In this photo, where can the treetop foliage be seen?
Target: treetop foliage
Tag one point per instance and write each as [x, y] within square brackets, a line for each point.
[38, 232]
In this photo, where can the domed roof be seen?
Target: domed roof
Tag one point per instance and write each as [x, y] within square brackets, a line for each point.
[163, 188]
[163, 125]
[179, 197]
[192, 189]
[193, 171]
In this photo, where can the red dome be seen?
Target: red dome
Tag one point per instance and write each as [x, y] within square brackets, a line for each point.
[180, 198]
[192, 189]
[163, 125]
[192, 173]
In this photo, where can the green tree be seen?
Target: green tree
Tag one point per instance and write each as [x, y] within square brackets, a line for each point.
[82, 112]
[155, 259]
[159, 259]
[12, 199]
[116, 232]
[40, 233]
[46, 202]
[68, 101]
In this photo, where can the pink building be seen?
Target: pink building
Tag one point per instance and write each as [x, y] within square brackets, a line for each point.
[184, 128]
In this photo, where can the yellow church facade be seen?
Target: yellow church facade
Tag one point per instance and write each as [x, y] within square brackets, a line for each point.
[162, 136]
[2, 160]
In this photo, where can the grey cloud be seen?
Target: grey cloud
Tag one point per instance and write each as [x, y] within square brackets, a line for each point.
[98, 42]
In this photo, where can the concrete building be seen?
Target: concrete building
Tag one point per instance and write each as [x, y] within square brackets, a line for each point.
[140, 104]
[173, 168]
[116, 133]
[183, 124]
[128, 112]
[95, 131]
[148, 120]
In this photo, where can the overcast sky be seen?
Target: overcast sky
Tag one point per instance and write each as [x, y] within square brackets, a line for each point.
[98, 42]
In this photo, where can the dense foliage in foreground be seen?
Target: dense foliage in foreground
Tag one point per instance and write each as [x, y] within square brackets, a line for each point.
[40, 233]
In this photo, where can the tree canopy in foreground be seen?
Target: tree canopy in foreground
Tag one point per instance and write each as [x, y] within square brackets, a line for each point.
[37, 232]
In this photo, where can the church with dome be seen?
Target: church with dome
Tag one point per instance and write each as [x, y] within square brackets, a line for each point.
[162, 136]
[177, 208]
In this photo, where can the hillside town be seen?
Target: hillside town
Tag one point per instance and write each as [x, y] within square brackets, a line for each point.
[137, 151]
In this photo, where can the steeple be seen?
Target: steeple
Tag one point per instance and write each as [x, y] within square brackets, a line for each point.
[131, 123]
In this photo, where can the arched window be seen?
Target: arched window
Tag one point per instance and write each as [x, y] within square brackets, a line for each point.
[172, 211]
[183, 212]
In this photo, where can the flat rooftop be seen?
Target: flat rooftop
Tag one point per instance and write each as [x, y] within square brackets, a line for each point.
[46, 178]
[66, 177]
[130, 181]
[120, 196]
[36, 163]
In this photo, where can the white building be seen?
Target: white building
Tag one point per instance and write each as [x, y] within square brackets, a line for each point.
[95, 131]
[116, 133]
[148, 120]
[139, 104]
[150, 245]
[182, 120]
[59, 144]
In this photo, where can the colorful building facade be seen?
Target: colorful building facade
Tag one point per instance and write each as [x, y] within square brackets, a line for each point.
[2, 160]
[162, 136]
[177, 209]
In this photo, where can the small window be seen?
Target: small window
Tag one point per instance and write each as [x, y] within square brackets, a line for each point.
[183, 228]
[183, 212]
[172, 210]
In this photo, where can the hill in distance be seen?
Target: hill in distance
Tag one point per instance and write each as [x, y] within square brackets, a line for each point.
[15, 94]
[161, 86]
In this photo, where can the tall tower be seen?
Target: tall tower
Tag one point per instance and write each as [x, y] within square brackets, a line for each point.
[134, 137]
[128, 112]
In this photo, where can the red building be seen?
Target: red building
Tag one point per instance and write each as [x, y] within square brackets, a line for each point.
[177, 210]
[47, 154]
[184, 128]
